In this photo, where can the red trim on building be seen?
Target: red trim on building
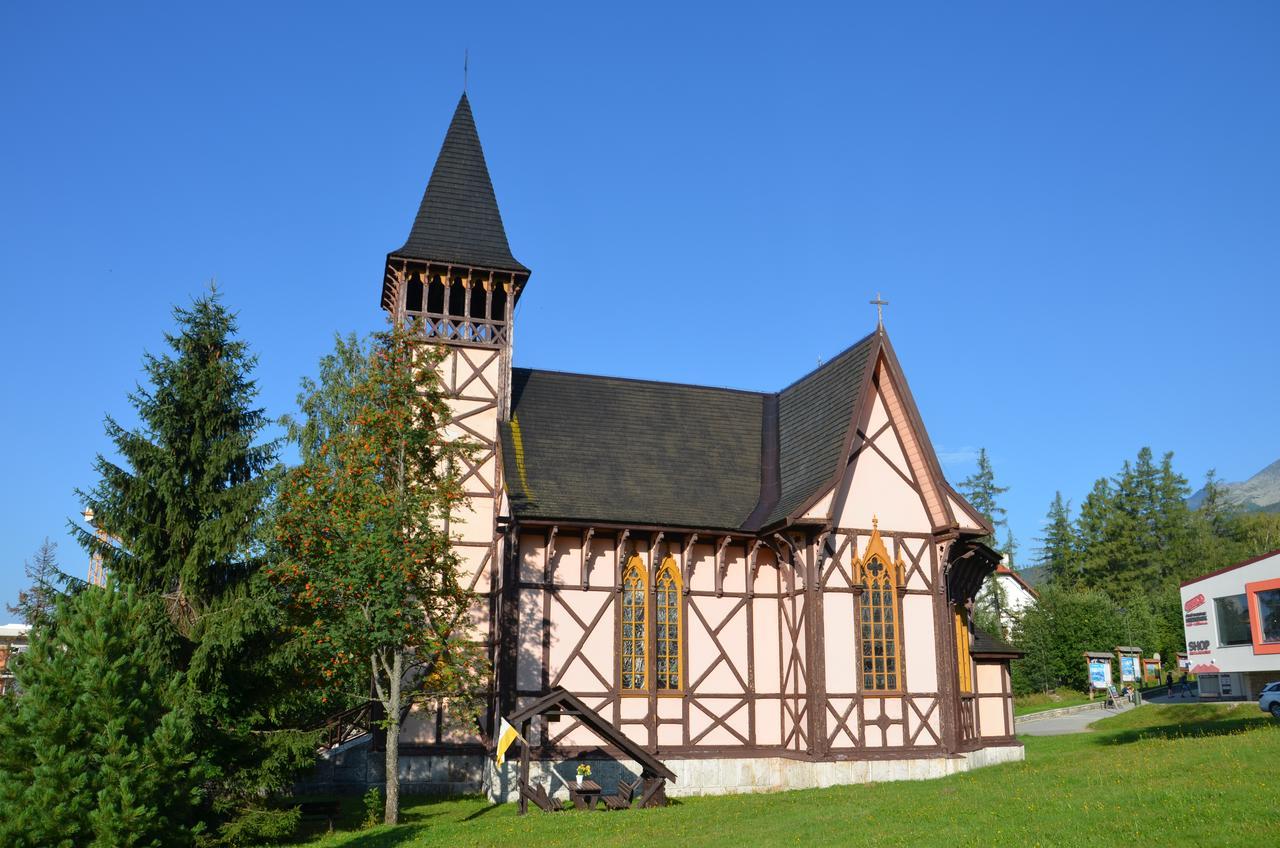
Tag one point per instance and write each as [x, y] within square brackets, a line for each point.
[1251, 591]
[1258, 558]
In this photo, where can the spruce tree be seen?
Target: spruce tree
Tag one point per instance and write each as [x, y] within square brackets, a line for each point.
[184, 511]
[1057, 546]
[1093, 532]
[97, 749]
[982, 493]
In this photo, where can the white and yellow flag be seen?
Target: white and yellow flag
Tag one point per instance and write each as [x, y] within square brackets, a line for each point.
[506, 735]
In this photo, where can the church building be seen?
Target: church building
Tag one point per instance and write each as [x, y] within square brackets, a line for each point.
[763, 589]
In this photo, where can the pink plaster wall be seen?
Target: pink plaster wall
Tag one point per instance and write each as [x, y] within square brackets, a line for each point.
[918, 643]
[874, 489]
[768, 666]
[991, 716]
[840, 642]
[990, 678]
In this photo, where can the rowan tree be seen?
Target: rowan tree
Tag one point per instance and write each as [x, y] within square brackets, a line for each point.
[364, 557]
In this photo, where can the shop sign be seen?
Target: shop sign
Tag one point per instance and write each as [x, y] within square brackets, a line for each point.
[1197, 601]
[1195, 619]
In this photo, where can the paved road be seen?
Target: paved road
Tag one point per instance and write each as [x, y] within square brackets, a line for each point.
[1074, 723]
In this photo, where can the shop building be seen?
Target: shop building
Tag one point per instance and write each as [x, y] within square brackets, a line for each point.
[1231, 618]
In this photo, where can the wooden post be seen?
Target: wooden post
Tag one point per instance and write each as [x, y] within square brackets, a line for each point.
[524, 766]
[586, 555]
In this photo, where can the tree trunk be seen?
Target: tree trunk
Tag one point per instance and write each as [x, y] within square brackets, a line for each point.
[391, 814]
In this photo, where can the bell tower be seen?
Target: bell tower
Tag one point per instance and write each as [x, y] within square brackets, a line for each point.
[455, 282]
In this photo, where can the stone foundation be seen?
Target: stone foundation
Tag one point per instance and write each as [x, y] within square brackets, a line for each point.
[354, 769]
[756, 774]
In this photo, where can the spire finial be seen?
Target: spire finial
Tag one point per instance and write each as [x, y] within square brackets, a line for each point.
[879, 304]
[466, 61]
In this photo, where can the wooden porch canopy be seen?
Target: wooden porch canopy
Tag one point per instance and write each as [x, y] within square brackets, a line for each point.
[559, 702]
[969, 565]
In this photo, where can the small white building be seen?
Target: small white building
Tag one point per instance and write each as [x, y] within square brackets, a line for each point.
[1006, 594]
[1231, 619]
[13, 640]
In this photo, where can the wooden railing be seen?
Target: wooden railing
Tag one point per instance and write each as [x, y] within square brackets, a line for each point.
[458, 328]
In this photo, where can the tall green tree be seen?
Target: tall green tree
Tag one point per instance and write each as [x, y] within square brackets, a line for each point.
[1057, 546]
[36, 603]
[184, 511]
[983, 494]
[97, 751]
[363, 557]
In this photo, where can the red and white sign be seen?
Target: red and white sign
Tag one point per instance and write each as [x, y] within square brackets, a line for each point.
[1197, 601]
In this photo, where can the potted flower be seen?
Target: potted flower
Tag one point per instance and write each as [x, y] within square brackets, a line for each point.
[584, 770]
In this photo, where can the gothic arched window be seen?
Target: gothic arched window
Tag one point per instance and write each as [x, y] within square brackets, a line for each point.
[667, 618]
[878, 608]
[634, 650]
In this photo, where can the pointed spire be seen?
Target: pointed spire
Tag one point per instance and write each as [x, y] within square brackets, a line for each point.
[458, 222]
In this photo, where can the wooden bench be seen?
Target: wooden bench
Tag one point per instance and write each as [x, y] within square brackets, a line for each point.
[621, 801]
[538, 795]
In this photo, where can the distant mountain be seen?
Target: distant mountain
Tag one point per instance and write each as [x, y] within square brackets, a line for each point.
[1035, 575]
[1260, 493]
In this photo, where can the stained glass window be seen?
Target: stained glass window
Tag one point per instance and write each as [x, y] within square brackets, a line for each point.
[878, 609]
[634, 620]
[667, 620]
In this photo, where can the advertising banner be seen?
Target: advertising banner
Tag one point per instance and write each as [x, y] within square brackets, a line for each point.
[1128, 669]
[1099, 674]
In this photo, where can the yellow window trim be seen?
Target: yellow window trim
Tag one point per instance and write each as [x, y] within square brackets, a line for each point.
[668, 570]
[634, 572]
[964, 657]
[887, 578]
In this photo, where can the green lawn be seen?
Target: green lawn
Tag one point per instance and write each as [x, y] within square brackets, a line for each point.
[1039, 701]
[1194, 774]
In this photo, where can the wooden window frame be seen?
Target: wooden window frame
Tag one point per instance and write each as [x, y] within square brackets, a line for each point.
[964, 651]
[669, 567]
[634, 564]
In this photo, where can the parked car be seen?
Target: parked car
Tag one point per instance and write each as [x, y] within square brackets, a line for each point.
[1270, 700]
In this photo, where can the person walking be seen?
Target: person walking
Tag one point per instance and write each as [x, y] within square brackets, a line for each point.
[1168, 684]
[1184, 686]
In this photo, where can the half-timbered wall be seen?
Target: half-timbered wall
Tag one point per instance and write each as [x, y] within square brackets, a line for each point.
[994, 699]
[744, 639]
[472, 379]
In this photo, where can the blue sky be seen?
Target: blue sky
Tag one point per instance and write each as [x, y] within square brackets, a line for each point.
[1073, 208]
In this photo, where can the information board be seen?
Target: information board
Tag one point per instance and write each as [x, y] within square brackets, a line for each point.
[1099, 674]
[1128, 669]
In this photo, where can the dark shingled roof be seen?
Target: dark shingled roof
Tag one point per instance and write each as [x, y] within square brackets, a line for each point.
[458, 221]
[588, 448]
[984, 643]
[814, 414]
[632, 451]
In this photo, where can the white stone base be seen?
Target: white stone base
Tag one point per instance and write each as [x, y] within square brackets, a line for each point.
[754, 774]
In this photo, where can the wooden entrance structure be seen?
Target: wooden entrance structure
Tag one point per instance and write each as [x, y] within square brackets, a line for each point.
[558, 703]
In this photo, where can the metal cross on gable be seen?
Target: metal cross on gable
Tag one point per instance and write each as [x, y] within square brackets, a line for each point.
[879, 304]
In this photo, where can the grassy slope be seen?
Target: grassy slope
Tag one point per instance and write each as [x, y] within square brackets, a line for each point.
[1039, 702]
[1205, 773]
